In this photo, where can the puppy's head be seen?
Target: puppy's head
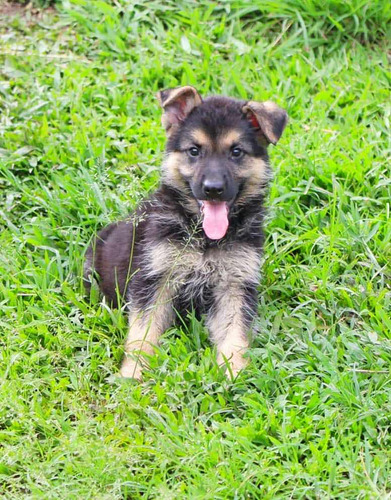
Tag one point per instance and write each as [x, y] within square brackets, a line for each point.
[217, 151]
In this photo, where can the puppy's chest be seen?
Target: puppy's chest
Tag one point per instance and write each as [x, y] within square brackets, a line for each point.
[186, 265]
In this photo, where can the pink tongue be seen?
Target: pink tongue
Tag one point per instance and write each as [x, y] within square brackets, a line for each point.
[215, 221]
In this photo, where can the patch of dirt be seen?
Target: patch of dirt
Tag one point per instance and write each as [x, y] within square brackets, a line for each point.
[9, 9]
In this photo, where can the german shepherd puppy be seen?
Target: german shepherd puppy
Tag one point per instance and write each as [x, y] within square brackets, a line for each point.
[197, 242]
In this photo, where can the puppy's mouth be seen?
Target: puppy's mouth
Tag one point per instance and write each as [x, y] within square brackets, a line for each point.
[214, 218]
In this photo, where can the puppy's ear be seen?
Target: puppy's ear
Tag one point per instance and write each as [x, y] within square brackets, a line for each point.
[268, 118]
[177, 104]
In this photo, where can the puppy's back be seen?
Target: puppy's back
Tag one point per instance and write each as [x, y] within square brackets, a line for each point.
[108, 258]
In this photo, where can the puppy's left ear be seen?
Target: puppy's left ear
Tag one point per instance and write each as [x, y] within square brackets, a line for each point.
[177, 104]
[268, 118]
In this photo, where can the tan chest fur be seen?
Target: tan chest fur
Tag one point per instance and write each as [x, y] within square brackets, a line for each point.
[226, 266]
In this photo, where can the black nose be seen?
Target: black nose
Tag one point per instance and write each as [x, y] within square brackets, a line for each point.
[213, 188]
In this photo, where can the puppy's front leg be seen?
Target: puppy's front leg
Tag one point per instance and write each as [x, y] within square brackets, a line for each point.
[228, 324]
[145, 328]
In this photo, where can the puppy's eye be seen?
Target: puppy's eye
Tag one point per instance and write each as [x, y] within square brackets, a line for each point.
[237, 152]
[194, 151]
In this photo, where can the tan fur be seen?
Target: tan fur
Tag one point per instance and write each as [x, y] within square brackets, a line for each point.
[145, 328]
[227, 328]
[271, 107]
[257, 174]
[175, 168]
[235, 265]
[229, 300]
[201, 138]
[227, 140]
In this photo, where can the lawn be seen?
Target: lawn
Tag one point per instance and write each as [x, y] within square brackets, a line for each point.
[81, 144]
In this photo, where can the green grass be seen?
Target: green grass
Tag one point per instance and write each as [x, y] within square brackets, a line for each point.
[81, 144]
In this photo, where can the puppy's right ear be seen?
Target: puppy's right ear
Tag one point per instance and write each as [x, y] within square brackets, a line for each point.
[177, 104]
[267, 118]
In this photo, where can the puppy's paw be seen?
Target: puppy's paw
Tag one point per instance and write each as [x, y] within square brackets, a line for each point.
[131, 368]
[234, 361]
